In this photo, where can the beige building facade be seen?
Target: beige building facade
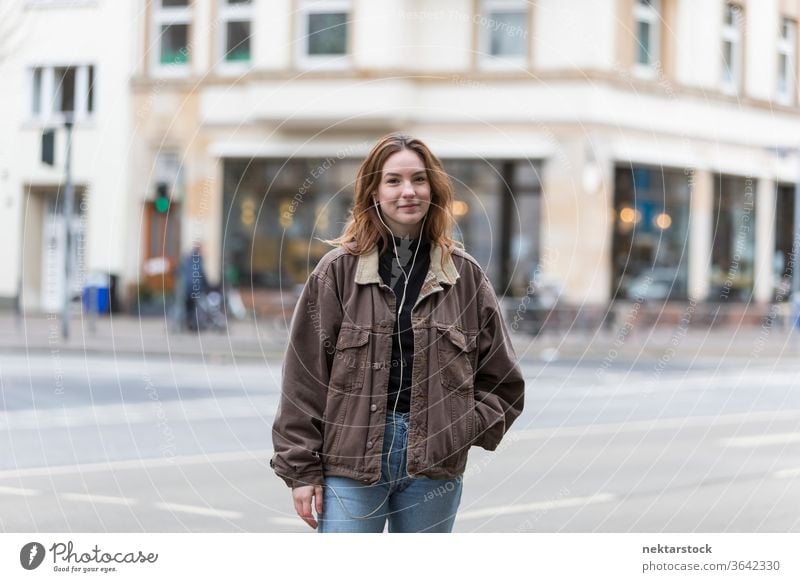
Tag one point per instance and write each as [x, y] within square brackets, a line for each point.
[632, 150]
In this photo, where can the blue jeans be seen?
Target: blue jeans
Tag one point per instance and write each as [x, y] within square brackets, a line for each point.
[411, 504]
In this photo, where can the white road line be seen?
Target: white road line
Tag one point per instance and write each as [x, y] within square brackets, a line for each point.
[18, 491]
[151, 463]
[786, 473]
[198, 510]
[98, 498]
[657, 424]
[290, 521]
[536, 506]
[154, 411]
[762, 440]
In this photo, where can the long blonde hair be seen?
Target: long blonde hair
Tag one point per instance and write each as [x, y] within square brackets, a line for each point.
[364, 228]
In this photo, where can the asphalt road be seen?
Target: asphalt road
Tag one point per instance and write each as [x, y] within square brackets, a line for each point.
[118, 445]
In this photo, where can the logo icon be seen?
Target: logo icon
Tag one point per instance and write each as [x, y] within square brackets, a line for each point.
[31, 555]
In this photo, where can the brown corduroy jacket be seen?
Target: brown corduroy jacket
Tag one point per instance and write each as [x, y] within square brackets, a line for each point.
[466, 388]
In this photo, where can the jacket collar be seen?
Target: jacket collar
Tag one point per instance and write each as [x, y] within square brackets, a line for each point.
[367, 269]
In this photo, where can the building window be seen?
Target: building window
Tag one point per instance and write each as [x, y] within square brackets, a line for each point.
[733, 250]
[171, 29]
[787, 63]
[272, 239]
[732, 58]
[65, 90]
[36, 92]
[236, 17]
[647, 16]
[503, 32]
[498, 209]
[651, 230]
[324, 32]
[56, 91]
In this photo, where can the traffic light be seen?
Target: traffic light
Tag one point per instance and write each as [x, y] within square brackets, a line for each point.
[162, 198]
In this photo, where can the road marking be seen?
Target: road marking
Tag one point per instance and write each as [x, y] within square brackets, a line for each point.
[156, 462]
[784, 473]
[18, 491]
[536, 506]
[99, 498]
[761, 440]
[657, 424]
[148, 412]
[290, 521]
[198, 510]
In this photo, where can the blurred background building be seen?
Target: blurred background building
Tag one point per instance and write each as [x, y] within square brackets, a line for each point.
[61, 60]
[608, 150]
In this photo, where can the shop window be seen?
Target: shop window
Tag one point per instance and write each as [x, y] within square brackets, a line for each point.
[733, 250]
[651, 227]
[784, 261]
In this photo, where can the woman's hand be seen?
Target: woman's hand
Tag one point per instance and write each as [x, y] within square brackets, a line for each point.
[302, 502]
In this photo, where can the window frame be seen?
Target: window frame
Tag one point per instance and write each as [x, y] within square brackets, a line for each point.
[335, 62]
[787, 46]
[165, 16]
[652, 16]
[486, 60]
[734, 34]
[233, 13]
[49, 112]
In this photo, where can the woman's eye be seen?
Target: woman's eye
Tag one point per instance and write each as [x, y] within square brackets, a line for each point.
[421, 178]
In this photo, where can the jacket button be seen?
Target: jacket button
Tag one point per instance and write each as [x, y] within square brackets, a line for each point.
[369, 444]
[373, 407]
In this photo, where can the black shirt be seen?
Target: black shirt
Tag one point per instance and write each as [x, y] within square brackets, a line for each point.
[394, 277]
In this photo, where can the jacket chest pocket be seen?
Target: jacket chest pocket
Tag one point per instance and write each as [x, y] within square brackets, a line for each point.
[350, 359]
[454, 349]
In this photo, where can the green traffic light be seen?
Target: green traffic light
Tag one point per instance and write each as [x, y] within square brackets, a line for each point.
[162, 204]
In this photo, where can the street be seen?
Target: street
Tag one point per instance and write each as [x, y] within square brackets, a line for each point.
[98, 443]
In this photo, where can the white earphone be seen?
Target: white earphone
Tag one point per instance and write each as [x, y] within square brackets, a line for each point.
[399, 344]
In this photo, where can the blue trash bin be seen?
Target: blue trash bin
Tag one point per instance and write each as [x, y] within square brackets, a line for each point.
[96, 293]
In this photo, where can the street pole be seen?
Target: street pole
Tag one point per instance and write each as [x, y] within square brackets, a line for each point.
[69, 202]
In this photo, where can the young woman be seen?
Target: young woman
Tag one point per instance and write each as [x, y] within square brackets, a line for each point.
[399, 360]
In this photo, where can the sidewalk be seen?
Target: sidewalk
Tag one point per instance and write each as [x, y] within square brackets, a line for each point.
[266, 338]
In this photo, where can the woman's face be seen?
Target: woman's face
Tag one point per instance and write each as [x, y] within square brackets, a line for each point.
[404, 193]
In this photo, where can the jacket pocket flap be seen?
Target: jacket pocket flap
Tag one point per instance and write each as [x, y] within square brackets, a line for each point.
[350, 337]
[466, 343]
